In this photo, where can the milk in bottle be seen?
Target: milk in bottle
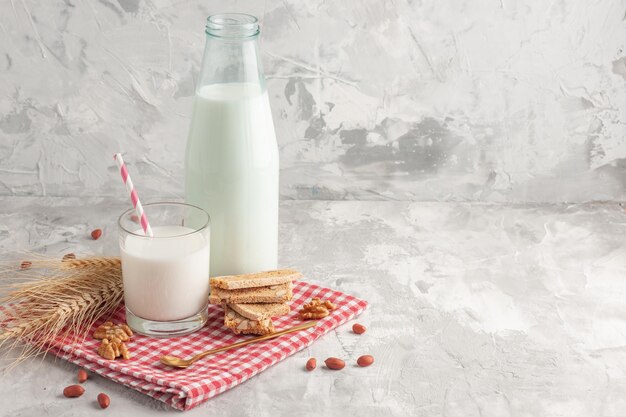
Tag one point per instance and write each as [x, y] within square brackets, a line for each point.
[232, 156]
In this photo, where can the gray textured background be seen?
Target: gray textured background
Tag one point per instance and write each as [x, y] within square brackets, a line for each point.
[475, 309]
[435, 100]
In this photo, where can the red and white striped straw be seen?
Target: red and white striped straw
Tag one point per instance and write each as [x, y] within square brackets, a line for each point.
[133, 195]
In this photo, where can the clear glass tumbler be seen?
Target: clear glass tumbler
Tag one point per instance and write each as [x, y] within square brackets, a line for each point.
[166, 277]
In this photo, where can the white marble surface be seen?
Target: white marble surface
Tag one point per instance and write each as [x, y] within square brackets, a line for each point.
[475, 310]
[428, 100]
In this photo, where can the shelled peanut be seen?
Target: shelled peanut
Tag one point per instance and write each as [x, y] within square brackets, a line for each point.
[103, 400]
[82, 376]
[337, 364]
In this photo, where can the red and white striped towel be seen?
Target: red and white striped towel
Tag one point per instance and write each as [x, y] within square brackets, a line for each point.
[186, 388]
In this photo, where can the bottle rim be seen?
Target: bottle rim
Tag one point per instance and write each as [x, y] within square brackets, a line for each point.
[232, 25]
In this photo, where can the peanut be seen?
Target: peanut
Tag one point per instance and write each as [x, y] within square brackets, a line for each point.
[73, 391]
[365, 360]
[358, 328]
[95, 235]
[82, 376]
[334, 363]
[103, 400]
[311, 364]
[26, 264]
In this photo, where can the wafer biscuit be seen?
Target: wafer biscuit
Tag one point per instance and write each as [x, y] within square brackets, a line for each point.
[241, 325]
[271, 294]
[257, 279]
[260, 311]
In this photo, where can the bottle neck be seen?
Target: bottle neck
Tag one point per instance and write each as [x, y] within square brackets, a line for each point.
[231, 53]
[232, 26]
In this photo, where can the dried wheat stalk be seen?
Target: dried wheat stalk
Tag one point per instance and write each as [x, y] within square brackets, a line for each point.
[52, 299]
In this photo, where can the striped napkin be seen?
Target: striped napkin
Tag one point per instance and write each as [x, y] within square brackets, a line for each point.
[184, 389]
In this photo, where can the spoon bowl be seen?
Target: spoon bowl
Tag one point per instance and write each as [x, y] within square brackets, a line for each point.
[175, 361]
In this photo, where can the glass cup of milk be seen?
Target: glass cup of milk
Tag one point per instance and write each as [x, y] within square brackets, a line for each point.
[166, 277]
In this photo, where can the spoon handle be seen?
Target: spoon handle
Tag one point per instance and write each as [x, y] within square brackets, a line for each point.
[254, 340]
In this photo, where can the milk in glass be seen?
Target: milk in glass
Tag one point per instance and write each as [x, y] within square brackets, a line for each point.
[166, 277]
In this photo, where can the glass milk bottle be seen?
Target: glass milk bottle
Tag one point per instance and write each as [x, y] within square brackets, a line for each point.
[231, 159]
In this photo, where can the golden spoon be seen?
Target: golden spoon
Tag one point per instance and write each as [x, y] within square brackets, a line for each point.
[184, 363]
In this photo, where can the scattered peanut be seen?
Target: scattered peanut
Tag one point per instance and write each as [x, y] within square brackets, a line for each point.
[365, 360]
[73, 391]
[103, 400]
[135, 218]
[95, 235]
[358, 328]
[26, 264]
[82, 376]
[334, 363]
[311, 364]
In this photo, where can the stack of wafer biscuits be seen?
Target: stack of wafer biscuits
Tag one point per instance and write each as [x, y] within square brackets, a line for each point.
[251, 300]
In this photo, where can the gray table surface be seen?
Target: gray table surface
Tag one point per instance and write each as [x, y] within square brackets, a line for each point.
[475, 310]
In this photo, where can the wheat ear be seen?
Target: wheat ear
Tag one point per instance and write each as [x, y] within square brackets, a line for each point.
[55, 300]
